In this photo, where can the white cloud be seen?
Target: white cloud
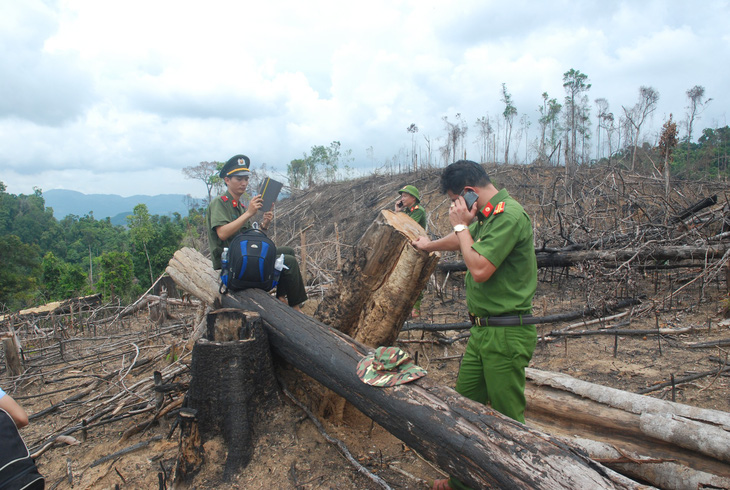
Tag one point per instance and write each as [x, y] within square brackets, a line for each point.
[118, 97]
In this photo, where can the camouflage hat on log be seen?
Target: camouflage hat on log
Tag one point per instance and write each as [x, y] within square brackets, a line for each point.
[388, 366]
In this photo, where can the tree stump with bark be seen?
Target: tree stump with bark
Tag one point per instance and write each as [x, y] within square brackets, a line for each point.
[380, 283]
[232, 383]
[12, 356]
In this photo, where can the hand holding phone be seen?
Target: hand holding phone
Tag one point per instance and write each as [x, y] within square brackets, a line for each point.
[470, 198]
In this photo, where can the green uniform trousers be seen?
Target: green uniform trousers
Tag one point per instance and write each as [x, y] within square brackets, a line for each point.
[493, 370]
[291, 283]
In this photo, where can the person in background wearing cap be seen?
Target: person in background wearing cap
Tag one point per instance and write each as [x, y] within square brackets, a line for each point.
[227, 216]
[499, 253]
[410, 203]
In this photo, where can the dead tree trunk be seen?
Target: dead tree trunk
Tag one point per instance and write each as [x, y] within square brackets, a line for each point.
[12, 358]
[190, 449]
[379, 285]
[232, 383]
[568, 258]
[470, 441]
[695, 441]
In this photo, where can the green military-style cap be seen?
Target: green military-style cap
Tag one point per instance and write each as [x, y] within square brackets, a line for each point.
[411, 189]
[388, 366]
[236, 165]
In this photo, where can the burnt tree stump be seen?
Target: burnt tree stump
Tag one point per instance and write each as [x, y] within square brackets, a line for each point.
[232, 383]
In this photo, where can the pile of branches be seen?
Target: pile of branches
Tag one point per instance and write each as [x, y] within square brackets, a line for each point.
[100, 366]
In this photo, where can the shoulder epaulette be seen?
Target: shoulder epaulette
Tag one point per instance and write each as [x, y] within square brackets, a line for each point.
[224, 198]
[499, 208]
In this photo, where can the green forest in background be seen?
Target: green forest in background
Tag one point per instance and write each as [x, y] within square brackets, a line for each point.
[44, 259]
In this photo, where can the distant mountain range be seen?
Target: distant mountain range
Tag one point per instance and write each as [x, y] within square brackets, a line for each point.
[117, 208]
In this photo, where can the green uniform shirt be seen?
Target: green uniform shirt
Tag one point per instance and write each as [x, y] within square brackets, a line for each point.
[418, 214]
[505, 239]
[222, 211]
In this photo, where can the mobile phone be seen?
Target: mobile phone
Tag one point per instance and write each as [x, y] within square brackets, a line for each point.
[470, 198]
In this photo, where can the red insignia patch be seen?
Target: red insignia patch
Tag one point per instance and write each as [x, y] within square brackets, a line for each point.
[224, 198]
[487, 210]
[235, 203]
[499, 208]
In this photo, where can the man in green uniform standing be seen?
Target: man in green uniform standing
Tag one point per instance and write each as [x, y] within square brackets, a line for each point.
[499, 254]
[410, 203]
[227, 216]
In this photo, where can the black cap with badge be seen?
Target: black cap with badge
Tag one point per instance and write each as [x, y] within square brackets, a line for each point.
[236, 165]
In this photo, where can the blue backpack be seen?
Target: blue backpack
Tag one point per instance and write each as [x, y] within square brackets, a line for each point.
[250, 264]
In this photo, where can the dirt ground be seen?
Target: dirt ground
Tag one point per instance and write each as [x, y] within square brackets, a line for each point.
[291, 452]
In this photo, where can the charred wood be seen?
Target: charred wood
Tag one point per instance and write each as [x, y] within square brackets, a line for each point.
[232, 384]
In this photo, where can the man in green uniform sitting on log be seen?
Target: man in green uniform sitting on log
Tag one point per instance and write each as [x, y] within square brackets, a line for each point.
[227, 216]
[499, 254]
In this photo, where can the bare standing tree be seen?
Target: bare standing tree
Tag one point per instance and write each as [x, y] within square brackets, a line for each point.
[463, 129]
[584, 129]
[455, 132]
[523, 130]
[607, 123]
[602, 106]
[667, 143]
[452, 134]
[697, 104]
[428, 149]
[509, 113]
[413, 129]
[575, 85]
[549, 126]
[485, 131]
[636, 116]
[207, 172]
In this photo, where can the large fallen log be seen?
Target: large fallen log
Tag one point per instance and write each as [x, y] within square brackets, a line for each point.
[470, 441]
[694, 440]
[568, 258]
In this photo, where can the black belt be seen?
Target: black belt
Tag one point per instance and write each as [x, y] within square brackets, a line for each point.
[503, 321]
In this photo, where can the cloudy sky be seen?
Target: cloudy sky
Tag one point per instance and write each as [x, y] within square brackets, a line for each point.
[117, 97]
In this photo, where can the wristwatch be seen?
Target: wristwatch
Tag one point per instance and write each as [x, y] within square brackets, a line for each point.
[459, 228]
